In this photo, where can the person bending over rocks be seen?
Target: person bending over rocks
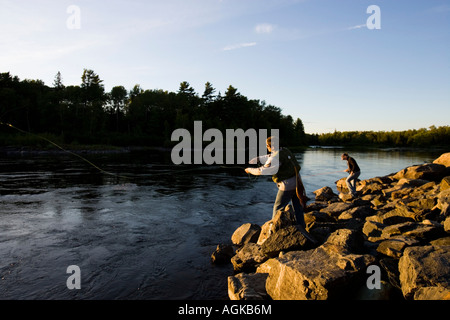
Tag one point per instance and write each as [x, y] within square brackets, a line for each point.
[353, 171]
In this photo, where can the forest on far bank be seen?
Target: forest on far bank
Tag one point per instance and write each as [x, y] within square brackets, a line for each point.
[87, 114]
[425, 137]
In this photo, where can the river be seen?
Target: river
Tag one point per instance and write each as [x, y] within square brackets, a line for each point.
[147, 233]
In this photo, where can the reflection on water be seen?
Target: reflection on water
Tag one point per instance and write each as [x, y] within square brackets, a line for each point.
[148, 236]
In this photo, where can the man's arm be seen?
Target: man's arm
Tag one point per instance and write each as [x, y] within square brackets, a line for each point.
[267, 169]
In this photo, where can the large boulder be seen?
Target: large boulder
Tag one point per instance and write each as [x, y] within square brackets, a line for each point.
[245, 286]
[445, 183]
[397, 215]
[326, 272]
[247, 258]
[444, 159]
[335, 209]
[325, 194]
[428, 171]
[222, 254]
[394, 247]
[360, 212]
[425, 272]
[373, 229]
[443, 203]
[423, 232]
[246, 233]
[447, 224]
[342, 185]
[286, 239]
[283, 218]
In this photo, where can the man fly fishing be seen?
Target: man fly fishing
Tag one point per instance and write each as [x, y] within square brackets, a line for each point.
[285, 171]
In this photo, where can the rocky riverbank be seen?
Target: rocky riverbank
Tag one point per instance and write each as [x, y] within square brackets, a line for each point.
[391, 242]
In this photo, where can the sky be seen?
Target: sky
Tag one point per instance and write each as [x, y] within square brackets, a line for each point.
[332, 63]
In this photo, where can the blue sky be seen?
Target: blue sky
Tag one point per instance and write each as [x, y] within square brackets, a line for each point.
[315, 59]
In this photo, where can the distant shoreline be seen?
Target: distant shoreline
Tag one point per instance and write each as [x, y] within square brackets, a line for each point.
[109, 149]
[85, 149]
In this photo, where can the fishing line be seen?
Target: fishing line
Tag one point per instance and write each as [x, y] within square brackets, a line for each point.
[65, 150]
[104, 171]
[322, 174]
[250, 177]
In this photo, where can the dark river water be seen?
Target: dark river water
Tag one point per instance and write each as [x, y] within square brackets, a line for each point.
[148, 233]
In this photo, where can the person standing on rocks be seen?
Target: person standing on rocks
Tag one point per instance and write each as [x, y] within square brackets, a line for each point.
[285, 171]
[353, 171]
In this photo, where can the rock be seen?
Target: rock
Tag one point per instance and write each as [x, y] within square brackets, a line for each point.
[412, 182]
[444, 159]
[336, 208]
[327, 272]
[360, 212]
[248, 258]
[403, 219]
[325, 194]
[447, 224]
[246, 233]
[347, 240]
[393, 247]
[443, 203]
[421, 205]
[428, 171]
[286, 239]
[316, 216]
[266, 231]
[419, 231]
[400, 192]
[321, 231]
[378, 201]
[425, 267]
[373, 228]
[346, 197]
[282, 219]
[445, 183]
[441, 242]
[398, 215]
[342, 185]
[223, 254]
[247, 286]
[390, 266]
[432, 293]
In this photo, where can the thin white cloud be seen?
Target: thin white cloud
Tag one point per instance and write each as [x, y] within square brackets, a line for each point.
[239, 46]
[359, 26]
[264, 28]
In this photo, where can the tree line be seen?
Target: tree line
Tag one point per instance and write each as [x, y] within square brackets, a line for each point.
[88, 114]
[424, 137]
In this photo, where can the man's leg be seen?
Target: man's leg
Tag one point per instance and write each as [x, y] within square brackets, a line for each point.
[298, 210]
[351, 182]
[282, 200]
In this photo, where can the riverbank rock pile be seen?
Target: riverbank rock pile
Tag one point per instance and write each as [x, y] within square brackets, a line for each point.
[391, 242]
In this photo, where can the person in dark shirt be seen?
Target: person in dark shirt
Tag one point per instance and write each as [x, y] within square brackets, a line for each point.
[353, 171]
